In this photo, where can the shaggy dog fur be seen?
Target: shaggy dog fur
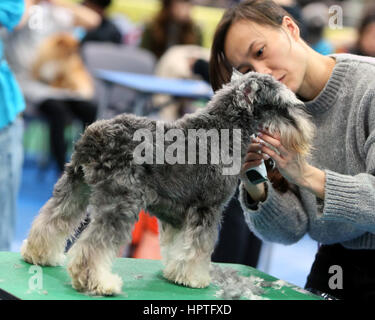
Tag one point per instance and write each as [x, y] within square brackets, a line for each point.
[188, 199]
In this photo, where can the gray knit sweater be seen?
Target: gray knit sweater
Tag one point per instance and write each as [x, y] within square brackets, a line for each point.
[344, 147]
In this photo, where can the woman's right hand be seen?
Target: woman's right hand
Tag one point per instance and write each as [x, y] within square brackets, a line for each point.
[253, 158]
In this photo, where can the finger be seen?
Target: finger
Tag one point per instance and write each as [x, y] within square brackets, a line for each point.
[251, 156]
[276, 143]
[272, 154]
[274, 135]
[254, 147]
[250, 164]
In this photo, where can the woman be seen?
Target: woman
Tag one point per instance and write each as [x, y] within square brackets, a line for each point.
[365, 44]
[11, 129]
[332, 197]
[172, 26]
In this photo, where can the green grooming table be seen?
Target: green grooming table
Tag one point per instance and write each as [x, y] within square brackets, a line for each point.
[143, 280]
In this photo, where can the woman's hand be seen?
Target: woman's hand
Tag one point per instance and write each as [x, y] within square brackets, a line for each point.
[253, 158]
[300, 174]
[285, 160]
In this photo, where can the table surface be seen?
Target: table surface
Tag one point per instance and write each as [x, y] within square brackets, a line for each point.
[157, 85]
[143, 280]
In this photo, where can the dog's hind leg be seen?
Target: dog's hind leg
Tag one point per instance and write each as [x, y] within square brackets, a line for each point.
[187, 251]
[91, 257]
[57, 220]
[168, 235]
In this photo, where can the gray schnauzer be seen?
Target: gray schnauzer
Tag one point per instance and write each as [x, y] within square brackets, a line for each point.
[187, 198]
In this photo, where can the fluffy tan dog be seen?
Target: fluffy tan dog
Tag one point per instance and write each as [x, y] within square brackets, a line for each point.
[59, 64]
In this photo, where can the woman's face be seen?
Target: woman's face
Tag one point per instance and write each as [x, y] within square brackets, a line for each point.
[252, 47]
[181, 10]
[367, 41]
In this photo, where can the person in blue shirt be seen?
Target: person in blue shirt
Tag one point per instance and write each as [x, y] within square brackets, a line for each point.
[11, 128]
[316, 17]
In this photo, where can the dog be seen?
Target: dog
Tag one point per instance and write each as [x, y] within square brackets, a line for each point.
[188, 199]
[58, 63]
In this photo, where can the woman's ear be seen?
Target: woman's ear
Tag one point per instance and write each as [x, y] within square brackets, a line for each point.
[292, 28]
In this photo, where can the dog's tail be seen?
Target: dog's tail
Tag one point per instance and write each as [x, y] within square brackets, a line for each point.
[71, 193]
[58, 219]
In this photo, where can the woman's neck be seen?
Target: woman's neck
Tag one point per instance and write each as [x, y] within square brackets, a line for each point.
[318, 72]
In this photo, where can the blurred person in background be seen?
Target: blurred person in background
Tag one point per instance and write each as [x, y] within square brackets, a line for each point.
[107, 30]
[365, 44]
[216, 3]
[11, 128]
[46, 18]
[315, 17]
[45, 57]
[171, 26]
[174, 38]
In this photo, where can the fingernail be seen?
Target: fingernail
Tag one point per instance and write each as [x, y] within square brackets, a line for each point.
[266, 156]
[259, 134]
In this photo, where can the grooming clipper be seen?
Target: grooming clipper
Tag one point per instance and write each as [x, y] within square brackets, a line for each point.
[257, 174]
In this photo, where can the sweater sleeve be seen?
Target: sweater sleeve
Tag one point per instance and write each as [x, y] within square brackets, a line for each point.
[351, 198]
[280, 218]
[11, 12]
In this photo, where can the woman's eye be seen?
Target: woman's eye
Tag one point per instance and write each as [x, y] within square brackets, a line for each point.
[260, 52]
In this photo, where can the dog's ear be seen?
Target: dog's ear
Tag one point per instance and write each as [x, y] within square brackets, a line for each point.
[235, 75]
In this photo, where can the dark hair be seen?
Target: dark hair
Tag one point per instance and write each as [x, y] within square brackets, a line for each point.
[367, 19]
[263, 12]
[100, 3]
[187, 32]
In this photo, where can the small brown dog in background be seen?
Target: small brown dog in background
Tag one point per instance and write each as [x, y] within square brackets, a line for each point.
[59, 64]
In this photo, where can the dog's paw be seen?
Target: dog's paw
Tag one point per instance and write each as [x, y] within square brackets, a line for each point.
[41, 256]
[192, 280]
[93, 282]
[108, 285]
[24, 252]
[55, 260]
[200, 282]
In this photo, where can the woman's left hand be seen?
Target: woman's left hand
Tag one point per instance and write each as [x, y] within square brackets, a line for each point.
[300, 174]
